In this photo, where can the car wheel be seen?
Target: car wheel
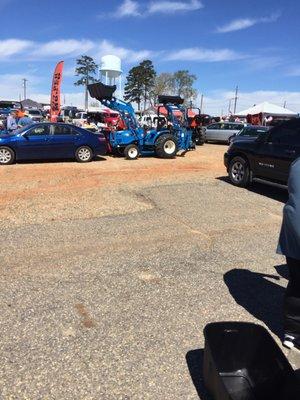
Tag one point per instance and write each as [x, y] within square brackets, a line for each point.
[239, 172]
[7, 156]
[84, 154]
[131, 152]
[166, 146]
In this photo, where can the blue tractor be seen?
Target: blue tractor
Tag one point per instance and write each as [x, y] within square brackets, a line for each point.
[165, 142]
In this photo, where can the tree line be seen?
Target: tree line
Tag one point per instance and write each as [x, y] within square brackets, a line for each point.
[143, 84]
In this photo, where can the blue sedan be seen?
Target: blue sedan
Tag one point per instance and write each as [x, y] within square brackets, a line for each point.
[51, 141]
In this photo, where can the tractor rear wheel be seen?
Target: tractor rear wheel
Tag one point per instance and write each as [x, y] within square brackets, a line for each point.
[199, 137]
[166, 146]
[131, 152]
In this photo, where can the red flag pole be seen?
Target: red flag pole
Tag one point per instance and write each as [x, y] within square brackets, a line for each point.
[55, 92]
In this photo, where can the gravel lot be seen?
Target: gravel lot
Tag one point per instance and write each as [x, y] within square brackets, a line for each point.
[110, 271]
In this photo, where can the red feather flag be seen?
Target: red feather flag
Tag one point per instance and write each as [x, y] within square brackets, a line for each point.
[55, 92]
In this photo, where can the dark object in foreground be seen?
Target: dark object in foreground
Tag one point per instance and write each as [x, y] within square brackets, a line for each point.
[243, 362]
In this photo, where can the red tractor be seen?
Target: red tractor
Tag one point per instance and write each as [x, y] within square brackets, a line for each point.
[196, 122]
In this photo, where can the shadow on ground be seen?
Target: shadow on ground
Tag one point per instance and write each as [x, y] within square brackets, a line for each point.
[194, 360]
[58, 161]
[258, 295]
[273, 192]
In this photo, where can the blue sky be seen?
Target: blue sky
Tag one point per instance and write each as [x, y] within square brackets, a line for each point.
[253, 44]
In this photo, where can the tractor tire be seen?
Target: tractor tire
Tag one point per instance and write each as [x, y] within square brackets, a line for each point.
[131, 152]
[166, 146]
[200, 138]
[7, 156]
[239, 172]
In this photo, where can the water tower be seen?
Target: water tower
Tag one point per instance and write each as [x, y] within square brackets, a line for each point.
[111, 72]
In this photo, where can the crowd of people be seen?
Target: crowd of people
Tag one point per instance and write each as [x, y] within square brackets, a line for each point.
[16, 119]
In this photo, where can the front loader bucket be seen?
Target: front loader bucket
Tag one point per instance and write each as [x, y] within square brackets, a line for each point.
[100, 91]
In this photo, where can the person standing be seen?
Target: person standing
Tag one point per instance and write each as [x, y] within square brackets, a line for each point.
[25, 120]
[289, 246]
[11, 123]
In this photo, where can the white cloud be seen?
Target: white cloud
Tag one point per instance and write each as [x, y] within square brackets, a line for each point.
[127, 8]
[131, 8]
[217, 101]
[169, 7]
[22, 50]
[127, 55]
[204, 55]
[69, 47]
[70, 98]
[10, 47]
[11, 85]
[244, 23]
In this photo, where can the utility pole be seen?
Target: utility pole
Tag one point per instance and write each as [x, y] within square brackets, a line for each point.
[229, 106]
[201, 104]
[24, 80]
[235, 99]
[86, 95]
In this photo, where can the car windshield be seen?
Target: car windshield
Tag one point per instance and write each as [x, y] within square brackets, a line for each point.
[253, 131]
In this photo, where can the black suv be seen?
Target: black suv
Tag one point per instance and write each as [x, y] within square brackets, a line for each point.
[267, 157]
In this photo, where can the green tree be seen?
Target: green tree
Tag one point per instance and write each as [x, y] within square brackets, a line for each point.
[149, 75]
[86, 70]
[182, 83]
[134, 87]
[140, 83]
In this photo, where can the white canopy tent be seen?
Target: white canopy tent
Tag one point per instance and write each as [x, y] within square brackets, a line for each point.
[267, 108]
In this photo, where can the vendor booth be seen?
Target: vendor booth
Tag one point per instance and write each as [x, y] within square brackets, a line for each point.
[266, 113]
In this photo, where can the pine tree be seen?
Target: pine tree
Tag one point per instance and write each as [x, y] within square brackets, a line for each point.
[134, 87]
[86, 69]
[140, 83]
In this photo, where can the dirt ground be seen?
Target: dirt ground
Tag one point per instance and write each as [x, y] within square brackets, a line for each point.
[36, 192]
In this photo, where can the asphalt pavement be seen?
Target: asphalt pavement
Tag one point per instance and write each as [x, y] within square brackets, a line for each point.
[113, 307]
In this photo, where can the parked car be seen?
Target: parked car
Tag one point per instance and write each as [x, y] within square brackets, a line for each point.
[267, 156]
[249, 131]
[35, 115]
[51, 141]
[221, 131]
